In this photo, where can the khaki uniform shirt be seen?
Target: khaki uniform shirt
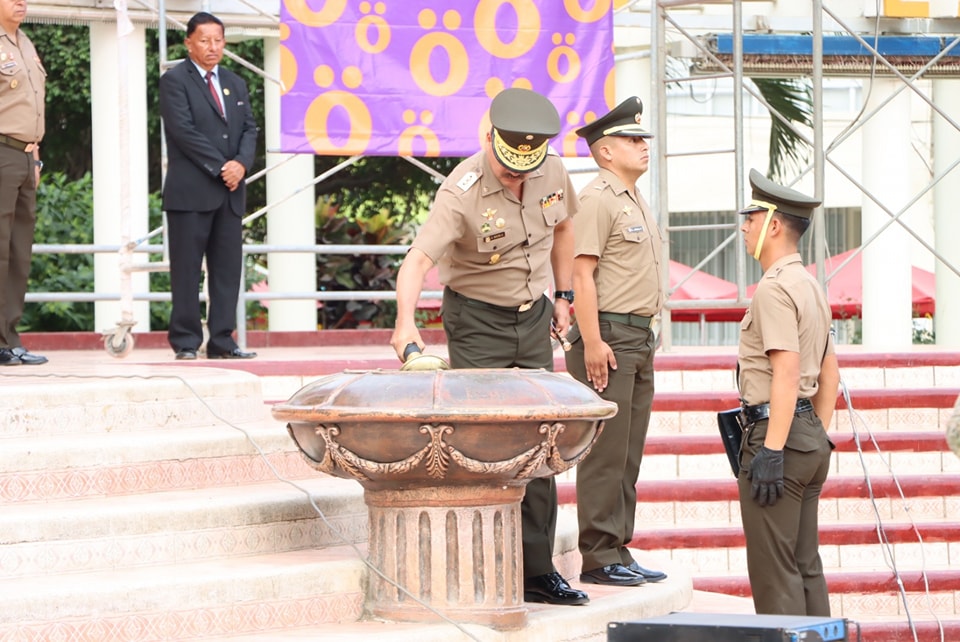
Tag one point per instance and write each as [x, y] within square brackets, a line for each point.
[488, 244]
[22, 89]
[621, 232]
[789, 311]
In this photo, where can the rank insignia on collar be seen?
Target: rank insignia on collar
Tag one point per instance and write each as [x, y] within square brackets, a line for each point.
[551, 199]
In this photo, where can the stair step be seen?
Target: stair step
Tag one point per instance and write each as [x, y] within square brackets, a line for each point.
[853, 582]
[863, 595]
[77, 466]
[830, 535]
[923, 441]
[125, 400]
[187, 601]
[901, 631]
[98, 534]
[544, 622]
[836, 487]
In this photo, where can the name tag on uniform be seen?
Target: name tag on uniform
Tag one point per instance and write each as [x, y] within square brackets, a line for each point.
[494, 237]
[551, 199]
[635, 229]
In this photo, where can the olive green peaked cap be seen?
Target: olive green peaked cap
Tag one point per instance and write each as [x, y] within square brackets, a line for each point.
[786, 200]
[623, 120]
[523, 121]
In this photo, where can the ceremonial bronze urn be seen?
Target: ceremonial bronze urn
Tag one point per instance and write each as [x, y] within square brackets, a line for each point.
[444, 457]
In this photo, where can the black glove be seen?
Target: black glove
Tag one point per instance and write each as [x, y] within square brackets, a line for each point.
[766, 472]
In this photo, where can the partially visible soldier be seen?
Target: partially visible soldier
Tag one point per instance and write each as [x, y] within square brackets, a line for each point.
[22, 95]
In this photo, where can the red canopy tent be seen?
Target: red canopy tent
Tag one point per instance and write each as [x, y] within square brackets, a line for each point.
[701, 287]
[845, 289]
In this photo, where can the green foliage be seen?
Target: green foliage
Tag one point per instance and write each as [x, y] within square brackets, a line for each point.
[339, 272]
[65, 51]
[64, 216]
[791, 98]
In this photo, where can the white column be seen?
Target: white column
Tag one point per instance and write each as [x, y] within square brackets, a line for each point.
[118, 92]
[293, 221]
[887, 313]
[633, 78]
[946, 194]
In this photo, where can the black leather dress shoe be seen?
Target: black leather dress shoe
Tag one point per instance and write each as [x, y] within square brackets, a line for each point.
[646, 573]
[552, 589]
[236, 353]
[186, 354]
[27, 358]
[7, 358]
[612, 575]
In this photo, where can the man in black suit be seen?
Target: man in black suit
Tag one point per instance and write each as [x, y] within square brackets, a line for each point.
[211, 143]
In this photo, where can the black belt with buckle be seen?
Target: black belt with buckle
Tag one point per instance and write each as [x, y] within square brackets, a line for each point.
[476, 303]
[18, 145]
[761, 411]
[634, 320]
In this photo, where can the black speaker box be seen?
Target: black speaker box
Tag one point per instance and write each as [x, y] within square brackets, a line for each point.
[724, 627]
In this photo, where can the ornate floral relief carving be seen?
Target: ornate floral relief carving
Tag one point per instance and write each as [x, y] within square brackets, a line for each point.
[438, 455]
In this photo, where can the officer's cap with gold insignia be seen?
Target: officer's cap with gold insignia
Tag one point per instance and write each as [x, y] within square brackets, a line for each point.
[623, 120]
[523, 121]
[766, 193]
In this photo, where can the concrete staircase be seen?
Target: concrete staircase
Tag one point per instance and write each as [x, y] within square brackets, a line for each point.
[894, 430]
[142, 500]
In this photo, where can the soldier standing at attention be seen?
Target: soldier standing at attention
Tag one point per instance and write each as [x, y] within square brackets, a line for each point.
[788, 379]
[618, 276]
[499, 225]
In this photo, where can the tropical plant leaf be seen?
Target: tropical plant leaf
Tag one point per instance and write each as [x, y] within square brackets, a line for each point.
[791, 98]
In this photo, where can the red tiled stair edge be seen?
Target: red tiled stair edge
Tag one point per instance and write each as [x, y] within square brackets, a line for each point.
[863, 399]
[930, 441]
[699, 490]
[40, 341]
[848, 582]
[830, 535]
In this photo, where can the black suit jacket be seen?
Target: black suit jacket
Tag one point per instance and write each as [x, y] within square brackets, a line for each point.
[200, 141]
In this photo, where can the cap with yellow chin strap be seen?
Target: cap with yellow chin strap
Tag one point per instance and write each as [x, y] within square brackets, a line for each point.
[772, 197]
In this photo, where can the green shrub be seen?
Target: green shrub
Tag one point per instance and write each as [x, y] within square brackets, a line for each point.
[64, 216]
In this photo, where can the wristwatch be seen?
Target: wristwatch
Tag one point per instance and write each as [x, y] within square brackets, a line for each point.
[564, 294]
[38, 163]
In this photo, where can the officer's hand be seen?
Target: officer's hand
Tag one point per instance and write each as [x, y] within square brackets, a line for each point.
[599, 360]
[402, 338]
[766, 473]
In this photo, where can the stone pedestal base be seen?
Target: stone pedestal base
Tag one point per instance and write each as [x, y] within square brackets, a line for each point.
[456, 549]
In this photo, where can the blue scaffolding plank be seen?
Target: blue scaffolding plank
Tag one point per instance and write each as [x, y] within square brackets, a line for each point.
[802, 45]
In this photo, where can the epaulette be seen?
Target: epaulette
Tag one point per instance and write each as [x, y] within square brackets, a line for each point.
[467, 181]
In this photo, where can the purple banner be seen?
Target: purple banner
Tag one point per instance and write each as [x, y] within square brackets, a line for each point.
[416, 77]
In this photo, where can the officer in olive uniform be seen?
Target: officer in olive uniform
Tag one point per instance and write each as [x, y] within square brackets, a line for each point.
[499, 226]
[618, 277]
[788, 379]
[22, 95]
